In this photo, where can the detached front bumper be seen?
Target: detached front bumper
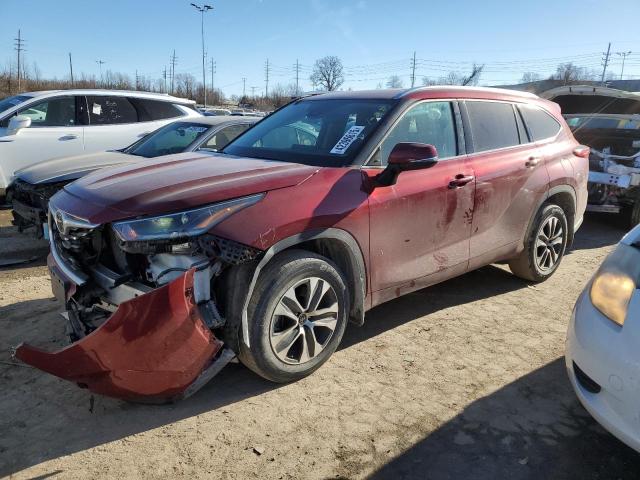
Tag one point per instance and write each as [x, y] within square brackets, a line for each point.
[153, 348]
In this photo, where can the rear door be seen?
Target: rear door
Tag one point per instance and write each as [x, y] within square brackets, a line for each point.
[421, 225]
[511, 178]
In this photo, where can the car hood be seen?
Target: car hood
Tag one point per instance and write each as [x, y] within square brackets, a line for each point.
[178, 182]
[71, 168]
[587, 99]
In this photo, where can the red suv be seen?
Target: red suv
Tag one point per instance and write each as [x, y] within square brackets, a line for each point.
[335, 203]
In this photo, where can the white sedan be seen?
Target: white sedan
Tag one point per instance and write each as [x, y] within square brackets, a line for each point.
[603, 343]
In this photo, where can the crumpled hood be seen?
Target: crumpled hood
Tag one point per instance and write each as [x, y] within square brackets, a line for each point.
[177, 182]
[70, 168]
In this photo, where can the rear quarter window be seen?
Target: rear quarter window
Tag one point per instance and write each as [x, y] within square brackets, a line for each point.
[541, 125]
[493, 125]
[156, 110]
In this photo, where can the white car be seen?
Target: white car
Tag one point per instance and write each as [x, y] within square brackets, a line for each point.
[38, 126]
[603, 343]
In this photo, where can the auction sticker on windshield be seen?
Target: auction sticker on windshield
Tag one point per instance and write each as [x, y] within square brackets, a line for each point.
[347, 139]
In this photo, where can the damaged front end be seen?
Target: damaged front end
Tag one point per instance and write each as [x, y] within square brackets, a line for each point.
[29, 203]
[141, 308]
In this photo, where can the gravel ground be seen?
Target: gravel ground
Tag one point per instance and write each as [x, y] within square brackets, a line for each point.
[462, 380]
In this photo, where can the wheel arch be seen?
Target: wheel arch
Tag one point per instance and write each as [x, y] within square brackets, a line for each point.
[565, 197]
[337, 245]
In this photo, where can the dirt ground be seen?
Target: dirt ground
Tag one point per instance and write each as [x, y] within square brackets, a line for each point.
[462, 380]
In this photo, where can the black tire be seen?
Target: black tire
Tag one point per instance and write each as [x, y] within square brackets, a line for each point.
[279, 277]
[528, 264]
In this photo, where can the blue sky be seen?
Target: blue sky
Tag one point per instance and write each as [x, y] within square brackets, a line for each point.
[374, 38]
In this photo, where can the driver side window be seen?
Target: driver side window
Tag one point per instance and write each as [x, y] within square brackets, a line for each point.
[428, 122]
[54, 112]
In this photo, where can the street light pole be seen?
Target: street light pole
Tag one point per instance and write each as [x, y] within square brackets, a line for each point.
[203, 9]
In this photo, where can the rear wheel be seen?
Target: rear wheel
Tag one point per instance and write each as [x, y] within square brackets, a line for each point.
[544, 247]
[297, 316]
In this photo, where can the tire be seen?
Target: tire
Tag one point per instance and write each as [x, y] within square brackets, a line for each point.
[533, 263]
[282, 346]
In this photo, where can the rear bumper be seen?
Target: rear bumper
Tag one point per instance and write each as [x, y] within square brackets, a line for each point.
[153, 348]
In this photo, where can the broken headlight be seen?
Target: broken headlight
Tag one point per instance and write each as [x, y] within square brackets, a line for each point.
[189, 223]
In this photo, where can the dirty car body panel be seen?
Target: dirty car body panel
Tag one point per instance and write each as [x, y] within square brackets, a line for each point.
[156, 261]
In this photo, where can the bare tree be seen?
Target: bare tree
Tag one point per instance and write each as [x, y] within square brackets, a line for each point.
[328, 73]
[474, 76]
[427, 82]
[529, 77]
[569, 73]
[394, 82]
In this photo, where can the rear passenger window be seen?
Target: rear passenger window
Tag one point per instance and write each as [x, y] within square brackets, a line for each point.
[111, 110]
[493, 125]
[157, 110]
[541, 124]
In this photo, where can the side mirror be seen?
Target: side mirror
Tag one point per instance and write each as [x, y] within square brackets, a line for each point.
[17, 123]
[407, 156]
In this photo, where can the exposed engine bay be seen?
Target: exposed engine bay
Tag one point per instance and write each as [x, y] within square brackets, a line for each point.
[166, 291]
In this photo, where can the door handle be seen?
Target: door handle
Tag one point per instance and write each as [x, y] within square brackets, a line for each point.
[68, 137]
[532, 162]
[461, 180]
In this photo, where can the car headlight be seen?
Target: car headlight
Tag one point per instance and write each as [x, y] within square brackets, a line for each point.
[615, 283]
[189, 223]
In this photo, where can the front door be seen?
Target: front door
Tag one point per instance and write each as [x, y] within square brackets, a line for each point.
[54, 132]
[421, 225]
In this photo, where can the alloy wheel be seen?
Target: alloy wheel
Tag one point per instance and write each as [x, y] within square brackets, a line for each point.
[549, 244]
[304, 320]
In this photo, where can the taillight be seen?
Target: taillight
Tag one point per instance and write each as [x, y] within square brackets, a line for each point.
[581, 151]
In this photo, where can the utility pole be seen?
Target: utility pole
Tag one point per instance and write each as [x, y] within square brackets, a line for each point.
[202, 9]
[266, 79]
[164, 77]
[253, 91]
[413, 70]
[297, 67]
[137, 80]
[173, 61]
[624, 56]
[213, 71]
[244, 87]
[19, 47]
[100, 62]
[605, 62]
[71, 69]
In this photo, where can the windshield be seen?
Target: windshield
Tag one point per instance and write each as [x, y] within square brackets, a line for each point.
[172, 138]
[321, 132]
[10, 102]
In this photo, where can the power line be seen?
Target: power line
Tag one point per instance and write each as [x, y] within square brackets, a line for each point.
[297, 67]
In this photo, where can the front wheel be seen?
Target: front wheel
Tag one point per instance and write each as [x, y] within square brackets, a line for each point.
[545, 246]
[297, 316]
